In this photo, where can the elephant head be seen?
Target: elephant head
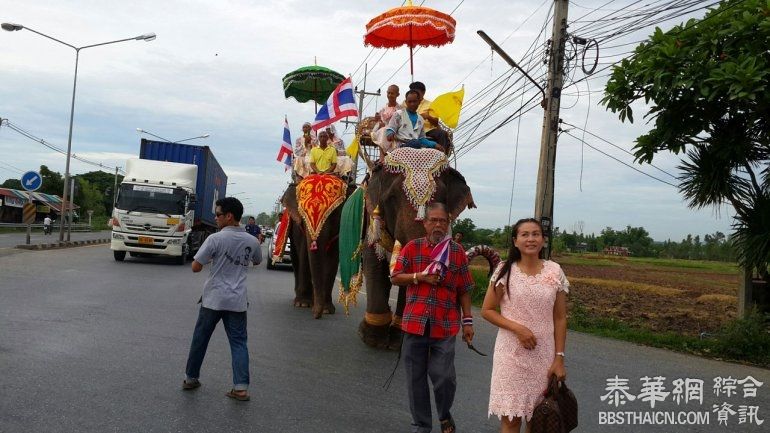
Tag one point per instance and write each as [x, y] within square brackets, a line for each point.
[315, 260]
[385, 191]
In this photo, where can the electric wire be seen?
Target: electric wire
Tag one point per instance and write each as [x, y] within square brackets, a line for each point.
[619, 160]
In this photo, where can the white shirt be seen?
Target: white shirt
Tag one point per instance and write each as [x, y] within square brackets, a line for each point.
[47, 221]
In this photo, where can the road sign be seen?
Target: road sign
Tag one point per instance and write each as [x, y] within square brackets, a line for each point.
[29, 213]
[31, 181]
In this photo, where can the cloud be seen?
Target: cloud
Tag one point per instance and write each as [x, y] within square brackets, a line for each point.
[216, 68]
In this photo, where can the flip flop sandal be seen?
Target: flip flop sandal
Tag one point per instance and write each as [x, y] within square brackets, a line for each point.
[190, 385]
[448, 426]
[238, 396]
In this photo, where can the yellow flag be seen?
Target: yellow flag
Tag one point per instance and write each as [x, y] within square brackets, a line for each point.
[352, 150]
[447, 107]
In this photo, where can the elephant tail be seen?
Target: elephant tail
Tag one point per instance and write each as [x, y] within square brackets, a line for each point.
[489, 253]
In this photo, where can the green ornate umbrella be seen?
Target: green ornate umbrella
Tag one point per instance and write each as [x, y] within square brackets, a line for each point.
[311, 83]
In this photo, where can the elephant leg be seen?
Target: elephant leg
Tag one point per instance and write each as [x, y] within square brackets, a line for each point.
[330, 275]
[303, 293]
[374, 330]
[395, 333]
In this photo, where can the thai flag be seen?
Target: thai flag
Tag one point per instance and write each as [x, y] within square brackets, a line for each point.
[439, 258]
[341, 103]
[284, 154]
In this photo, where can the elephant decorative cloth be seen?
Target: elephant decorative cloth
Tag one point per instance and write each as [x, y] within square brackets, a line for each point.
[280, 238]
[352, 223]
[420, 167]
[318, 195]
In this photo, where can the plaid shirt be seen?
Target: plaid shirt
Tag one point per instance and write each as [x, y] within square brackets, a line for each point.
[439, 303]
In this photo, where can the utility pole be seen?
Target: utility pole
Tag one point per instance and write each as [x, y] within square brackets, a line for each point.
[361, 94]
[545, 177]
[115, 191]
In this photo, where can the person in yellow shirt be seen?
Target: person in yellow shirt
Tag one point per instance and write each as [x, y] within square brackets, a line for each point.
[432, 131]
[323, 158]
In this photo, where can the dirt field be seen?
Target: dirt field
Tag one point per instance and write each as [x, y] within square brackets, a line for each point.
[682, 296]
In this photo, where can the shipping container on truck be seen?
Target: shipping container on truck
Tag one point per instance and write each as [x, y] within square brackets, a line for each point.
[210, 186]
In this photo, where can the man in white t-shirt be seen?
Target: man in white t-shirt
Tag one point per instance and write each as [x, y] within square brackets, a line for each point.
[230, 252]
[47, 225]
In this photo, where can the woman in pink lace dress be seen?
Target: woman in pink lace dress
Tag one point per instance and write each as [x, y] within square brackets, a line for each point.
[532, 296]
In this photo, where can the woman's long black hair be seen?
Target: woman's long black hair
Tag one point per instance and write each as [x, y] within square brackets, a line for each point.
[514, 255]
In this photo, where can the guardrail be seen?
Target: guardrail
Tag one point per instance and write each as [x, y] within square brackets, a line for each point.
[77, 227]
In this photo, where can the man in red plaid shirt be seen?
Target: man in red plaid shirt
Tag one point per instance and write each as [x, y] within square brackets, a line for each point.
[432, 320]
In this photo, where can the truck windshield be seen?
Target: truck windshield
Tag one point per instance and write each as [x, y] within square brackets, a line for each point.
[145, 198]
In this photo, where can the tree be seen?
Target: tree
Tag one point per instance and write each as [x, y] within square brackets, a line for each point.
[53, 182]
[88, 197]
[263, 219]
[12, 183]
[468, 229]
[707, 85]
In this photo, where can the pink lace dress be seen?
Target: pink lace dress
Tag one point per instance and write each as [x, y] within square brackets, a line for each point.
[518, 374]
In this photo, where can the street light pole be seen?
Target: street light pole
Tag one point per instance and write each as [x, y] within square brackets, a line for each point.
[16, 27]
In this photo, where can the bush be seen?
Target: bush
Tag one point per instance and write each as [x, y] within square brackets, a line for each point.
[746, 339]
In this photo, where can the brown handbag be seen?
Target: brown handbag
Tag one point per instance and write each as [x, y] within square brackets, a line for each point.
[557, 413]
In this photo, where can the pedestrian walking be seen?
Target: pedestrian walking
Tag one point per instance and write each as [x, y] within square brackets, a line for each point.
[230, 251]
[253, 229]
[532, 296]
[434, 270]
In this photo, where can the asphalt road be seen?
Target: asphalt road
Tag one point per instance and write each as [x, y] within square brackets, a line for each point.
[89, 344]
[10, 240]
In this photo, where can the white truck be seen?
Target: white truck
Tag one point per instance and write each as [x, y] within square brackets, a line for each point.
[154, 211]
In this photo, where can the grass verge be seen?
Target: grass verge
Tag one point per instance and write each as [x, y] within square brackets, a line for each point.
[743, 340]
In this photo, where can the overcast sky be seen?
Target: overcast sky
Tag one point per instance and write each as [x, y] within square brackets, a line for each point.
[216, 68]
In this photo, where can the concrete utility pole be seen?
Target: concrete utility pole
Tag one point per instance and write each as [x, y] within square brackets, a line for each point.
[545, 176]
[361, 94]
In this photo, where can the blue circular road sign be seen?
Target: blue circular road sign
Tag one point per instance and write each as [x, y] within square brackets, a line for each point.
[31, 181]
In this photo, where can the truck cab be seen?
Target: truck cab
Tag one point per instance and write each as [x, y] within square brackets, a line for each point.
[154, 211]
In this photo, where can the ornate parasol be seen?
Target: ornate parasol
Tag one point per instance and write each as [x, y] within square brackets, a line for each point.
[410, 25]
[311, 83]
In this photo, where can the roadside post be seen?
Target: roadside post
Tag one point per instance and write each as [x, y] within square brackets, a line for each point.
[30, 181]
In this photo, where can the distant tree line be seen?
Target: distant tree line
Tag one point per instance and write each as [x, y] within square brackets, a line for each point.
[93, 190]
[716, 246]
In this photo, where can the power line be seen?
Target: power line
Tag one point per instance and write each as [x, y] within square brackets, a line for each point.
[55, 148]
[620, 161]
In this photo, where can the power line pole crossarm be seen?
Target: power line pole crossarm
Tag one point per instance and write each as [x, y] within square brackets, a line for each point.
[544, 195]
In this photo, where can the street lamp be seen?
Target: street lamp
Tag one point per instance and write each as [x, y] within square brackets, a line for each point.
[65, 194]
[142, 131]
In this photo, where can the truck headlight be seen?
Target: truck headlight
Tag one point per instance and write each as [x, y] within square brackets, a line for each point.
[118, 236]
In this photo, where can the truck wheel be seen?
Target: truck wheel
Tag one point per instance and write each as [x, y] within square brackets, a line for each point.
[119, 255]
[182, 259]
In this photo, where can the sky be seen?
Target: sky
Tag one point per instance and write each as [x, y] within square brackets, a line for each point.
[216, 68]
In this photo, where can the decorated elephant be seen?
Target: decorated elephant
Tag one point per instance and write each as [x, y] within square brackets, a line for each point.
[313, 206]
[395, 197]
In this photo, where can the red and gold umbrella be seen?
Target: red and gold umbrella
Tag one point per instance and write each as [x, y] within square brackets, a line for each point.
[412, 26]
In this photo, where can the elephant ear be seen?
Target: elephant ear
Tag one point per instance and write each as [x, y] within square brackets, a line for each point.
[458, 193]
[289, 201]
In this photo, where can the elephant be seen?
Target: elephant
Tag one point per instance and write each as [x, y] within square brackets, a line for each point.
[380, 328]
[315, 261]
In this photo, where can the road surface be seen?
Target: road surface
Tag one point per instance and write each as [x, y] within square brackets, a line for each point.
[91, 345]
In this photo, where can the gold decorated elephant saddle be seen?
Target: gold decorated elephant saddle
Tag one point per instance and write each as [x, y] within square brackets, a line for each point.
[420, 168]
[318, 195]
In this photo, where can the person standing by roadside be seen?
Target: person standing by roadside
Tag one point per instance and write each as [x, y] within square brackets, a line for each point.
[224, 295]
[532, 296]
[435, 270]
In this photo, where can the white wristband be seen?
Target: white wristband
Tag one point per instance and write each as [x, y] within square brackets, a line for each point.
[560, 354]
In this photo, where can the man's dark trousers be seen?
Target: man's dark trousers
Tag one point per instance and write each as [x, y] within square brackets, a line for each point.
[434, 357]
